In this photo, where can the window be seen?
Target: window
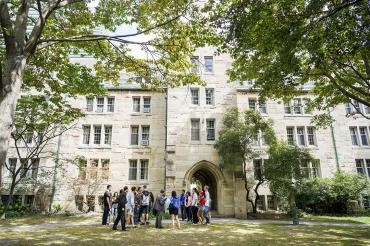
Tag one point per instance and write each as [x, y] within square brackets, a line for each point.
[262, 107]
[146, 104]
[311, 169]
[210, 96]
[34, 167]
[82, 167]
[28, 200]
[257, 166]
[145, 135]
[262, 138]
[89, 104]
[208, 63]
[12, 166]
[24, 165]
[252, 104]
[195, 131]
[94, 169]
[364, 136]
[348, 108]
[367, 109]
[40, 137]
[195, 61]
[144, 164]
[110, 104]
[28, 137]
[79, 201]
[290, 135]
[136, 104]
[97, 134]
[100, 104]
[297, 106]
[194, 96]
[271, 202]
[261, 203]
[368, 167]
[306, 107]
[132, 172]
[360, 166]
[315, 169]
[300, 136]
[86, 134]
[107, 135]
[353, 131]
[134, 135]
[105, 169]
[91, 202]
[311, 136]
[210, 129]
[357, 106]
[287, 108]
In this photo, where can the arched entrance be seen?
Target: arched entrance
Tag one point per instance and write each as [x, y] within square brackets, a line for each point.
[206, 173]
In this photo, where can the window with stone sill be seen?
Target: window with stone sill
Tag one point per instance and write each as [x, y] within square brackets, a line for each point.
[195, 61]
[297, 106]
[194, 96]
[359, 136]
[195, 129]
[136, 104]
[363, 166]
[208, 64]
[210, 96]
[100, 104]
[302, 136]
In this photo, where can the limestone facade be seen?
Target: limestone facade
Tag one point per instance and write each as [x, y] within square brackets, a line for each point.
[179, 148]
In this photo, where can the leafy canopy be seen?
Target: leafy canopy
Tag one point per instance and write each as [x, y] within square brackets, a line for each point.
[283, 168]
[284, 45]
[239, 132]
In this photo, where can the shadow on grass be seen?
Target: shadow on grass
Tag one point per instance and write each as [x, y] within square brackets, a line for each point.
[188, 235]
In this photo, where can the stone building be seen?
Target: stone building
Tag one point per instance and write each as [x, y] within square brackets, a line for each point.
[165, 139]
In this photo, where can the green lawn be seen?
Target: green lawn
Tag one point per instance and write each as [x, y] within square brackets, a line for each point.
[44, 219]
[188, 235]
[338, 219]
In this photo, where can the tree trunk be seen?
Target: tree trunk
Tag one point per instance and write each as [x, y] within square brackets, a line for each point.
[10, 86]
[10, 199]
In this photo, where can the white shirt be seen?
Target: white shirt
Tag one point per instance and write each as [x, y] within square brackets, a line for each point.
[208, 199]
[130, 199]
[194, 200]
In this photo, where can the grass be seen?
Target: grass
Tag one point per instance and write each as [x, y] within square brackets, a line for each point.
[188, 235]
[44, 219]
[338, 219]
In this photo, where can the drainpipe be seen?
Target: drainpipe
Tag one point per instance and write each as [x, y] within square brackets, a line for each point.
[55, 172]
[165, 142]
[335, 145]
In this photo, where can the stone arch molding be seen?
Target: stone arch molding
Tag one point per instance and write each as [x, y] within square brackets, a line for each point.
[211, 167]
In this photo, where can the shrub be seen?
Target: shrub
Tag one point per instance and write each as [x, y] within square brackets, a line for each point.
[332, 196]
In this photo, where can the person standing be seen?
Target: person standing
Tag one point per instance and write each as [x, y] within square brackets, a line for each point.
[182, 205]
[159, 208]
[201, 207]
[130, 206]
[107, 204]
[188, 207]
[121, 205]
[145, 201]
[194, 205]
[114, 204]
[174, 209]
[207, 204]
[137, 211]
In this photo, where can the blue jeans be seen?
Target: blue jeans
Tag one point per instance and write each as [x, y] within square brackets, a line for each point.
[206, 210]
[105, 215]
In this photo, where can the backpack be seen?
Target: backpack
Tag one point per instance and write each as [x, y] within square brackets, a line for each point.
[175, 203]
[145, 199]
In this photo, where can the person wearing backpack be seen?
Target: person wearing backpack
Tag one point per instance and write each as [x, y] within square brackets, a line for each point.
[121, 205]
[174, 209]
[145, 201]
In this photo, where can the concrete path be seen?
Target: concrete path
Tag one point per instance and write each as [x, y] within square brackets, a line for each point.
[228, 221]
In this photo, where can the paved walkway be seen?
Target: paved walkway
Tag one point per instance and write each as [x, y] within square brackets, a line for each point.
[228, 221]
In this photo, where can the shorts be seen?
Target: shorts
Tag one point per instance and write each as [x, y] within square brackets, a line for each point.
[144, 209]
[174, 211]
[130, 211]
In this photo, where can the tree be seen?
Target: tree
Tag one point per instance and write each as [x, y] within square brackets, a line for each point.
[37, 38]
[235, 146]
[37, 123]
[284, 45]
[283, 169]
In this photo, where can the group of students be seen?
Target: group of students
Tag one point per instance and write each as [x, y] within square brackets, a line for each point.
[133, 206]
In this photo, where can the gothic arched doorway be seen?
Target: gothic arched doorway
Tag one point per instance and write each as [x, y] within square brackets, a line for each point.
[205, 173]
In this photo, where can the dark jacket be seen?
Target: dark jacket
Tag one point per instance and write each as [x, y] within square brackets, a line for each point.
[122, 200]
[160, 202]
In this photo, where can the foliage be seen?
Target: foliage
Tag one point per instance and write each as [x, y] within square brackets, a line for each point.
[283, 169]
[286, 45]
[16, 210]
[57, 208]
[235, 145]
[332, 195]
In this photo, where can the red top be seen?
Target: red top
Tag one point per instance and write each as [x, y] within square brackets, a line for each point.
[202, 201]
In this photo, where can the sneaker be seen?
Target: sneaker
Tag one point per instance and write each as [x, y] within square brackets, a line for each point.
[114, 228]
